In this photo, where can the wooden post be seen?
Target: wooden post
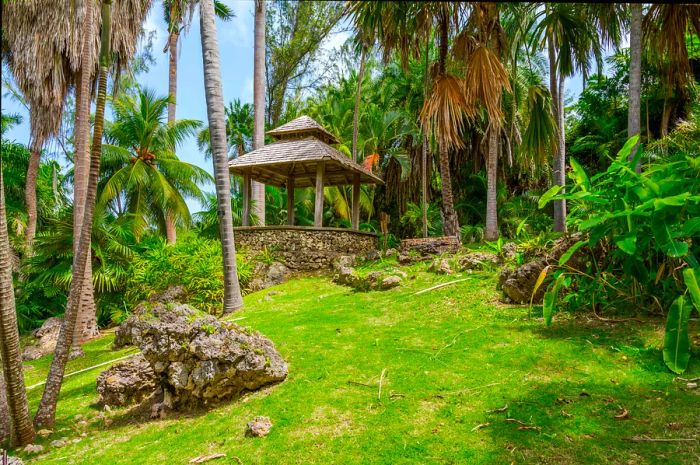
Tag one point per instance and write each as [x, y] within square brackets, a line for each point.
[318, 211]
[246, 200]
[356, 201]
[290, 200]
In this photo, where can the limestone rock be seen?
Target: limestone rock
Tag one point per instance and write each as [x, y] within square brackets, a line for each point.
[476, 261]
[46, 336]
[172, 293]
[430, 246]
[347, 276]
[440, 266]
[390, 282]
[344, 261]
[126, 382]
[390, 252]
[12, 460]
[198, 359]
[259, 427]
[33, 448]
[59, 442]
[372, 255]
[269, 275]
[509, 251]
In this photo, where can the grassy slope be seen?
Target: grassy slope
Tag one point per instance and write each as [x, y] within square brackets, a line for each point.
[450, 356]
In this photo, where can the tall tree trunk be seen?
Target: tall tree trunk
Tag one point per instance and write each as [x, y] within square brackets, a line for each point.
[22, 431]
[35, 147]
[170, 229]
[5, 427]
[635, 87]
[87, 315]
[491, 233]
[666, 117]
[424, 185]
[451, 226]
[46, 415]
[356, 112]
[560, 164]
[558, 172]
[258, 189]
[217, 128]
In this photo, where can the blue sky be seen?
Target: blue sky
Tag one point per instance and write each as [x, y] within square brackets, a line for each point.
[236, 49]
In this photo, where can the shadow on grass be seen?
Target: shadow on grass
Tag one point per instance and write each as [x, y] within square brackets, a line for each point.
[569, 422]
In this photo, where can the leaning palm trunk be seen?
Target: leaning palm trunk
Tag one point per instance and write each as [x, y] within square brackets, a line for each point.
[258, 189]
[46, 415]
[355, 221]
[10, 354]
[491, 233]
[170, 229]
[217, 128]
[87, 314]
[635, 87]
[4, 413]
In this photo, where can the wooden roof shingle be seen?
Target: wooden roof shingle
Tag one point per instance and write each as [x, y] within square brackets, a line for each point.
[303, 126]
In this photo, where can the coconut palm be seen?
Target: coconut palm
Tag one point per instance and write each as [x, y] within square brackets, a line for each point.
[217, 128]
[142, 175]
[635, 85]
[259, 79]
[10, 353]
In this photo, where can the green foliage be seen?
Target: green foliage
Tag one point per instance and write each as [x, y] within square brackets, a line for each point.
[412, 219]
[192, 262]
[676, 340]
[648, 225]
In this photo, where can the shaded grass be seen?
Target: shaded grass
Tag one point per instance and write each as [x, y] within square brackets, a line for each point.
[450, 356]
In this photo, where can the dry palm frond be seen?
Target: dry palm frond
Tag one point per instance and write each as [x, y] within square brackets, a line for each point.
[484, 84]
[665, 28]
[445, 109]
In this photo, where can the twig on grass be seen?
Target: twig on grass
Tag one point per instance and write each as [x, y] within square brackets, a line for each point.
[454, 340]
[438, 286]
[648, 439]
[381, 380]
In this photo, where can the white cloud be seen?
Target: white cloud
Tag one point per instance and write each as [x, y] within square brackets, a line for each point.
[238, 31]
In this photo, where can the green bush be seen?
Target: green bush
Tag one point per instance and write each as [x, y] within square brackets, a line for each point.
[193, 262]
[646, 229]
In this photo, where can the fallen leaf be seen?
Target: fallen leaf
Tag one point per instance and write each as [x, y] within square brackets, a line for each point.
[566, 414]
[206, 458]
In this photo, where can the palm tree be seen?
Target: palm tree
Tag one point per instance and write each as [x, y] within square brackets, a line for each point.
[239, 130]
[635, 85]
[10, 353]
[46, 414]
[178, 15]
[217, 128]
[142, 174]
[259, 79]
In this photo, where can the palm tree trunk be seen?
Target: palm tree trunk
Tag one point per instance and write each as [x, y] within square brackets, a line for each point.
[87, 315]
[557, 168]
[10, 354]
[258, 189]
[172, 75]
[355, 220]
[170, 230]
[30, 188]
[217, 127]
[635, 86]
[451, 226]
[46, 415]
[491, 233]
[560, 164]
[5, 426]
[666, 117]
[424, 185]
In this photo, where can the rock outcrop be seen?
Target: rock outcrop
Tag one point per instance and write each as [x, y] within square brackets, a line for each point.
[374, 280]
[259, 427]
[518, 284]
[268, 276]
[477, 261]
[126, 382]
[198, 359]
[46, 337]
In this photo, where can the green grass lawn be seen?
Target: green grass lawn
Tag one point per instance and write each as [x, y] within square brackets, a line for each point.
[467, 380]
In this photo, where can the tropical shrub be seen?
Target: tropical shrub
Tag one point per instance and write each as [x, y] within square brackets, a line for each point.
[647, 229]
[193, 262]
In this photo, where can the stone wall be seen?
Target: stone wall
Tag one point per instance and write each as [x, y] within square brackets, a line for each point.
[305, 248]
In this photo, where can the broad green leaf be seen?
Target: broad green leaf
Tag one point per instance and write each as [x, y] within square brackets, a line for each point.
[676, 340]
[550, 299]
[625, 151]
[547, 196]
[579, 175]
[673, 201]
[692, 227]
[628, 243]
[664, 238]
[566, 256]
[691, 277]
